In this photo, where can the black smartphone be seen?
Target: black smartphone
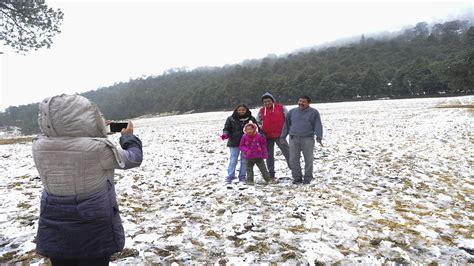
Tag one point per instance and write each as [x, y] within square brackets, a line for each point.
[117, 126]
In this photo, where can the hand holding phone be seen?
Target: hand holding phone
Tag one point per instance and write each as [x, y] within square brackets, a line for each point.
[117, 126]
[128, 130]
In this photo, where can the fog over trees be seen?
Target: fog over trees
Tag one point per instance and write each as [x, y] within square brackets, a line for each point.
[420, 60]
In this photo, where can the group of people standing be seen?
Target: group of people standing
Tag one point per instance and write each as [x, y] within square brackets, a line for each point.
[254, 139]
[79, 221]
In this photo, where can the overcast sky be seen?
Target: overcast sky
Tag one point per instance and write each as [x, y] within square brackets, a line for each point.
[112, 41]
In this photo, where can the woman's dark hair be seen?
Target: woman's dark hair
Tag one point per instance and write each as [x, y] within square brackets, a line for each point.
[306, 97]
[235, 114]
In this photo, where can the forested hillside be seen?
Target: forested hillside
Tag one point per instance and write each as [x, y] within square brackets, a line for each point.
[422, 60]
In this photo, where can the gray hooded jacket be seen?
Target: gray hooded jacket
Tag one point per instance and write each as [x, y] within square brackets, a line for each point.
[73, 156]
[79, 215]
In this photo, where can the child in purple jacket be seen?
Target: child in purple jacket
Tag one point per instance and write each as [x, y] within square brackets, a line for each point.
[254, 147]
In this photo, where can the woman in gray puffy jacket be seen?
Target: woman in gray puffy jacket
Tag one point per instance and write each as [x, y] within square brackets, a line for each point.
[79, 220]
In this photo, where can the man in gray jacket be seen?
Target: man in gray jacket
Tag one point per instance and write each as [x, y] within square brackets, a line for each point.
[303, 124]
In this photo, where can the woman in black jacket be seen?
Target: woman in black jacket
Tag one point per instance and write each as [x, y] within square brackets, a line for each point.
[233, 131]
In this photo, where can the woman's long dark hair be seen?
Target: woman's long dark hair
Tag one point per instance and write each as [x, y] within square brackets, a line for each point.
[236, 115]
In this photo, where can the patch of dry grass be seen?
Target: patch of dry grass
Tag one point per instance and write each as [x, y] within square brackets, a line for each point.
[288, 256]
[174, 231]
[7, 256]
[15, 140]
[212, 233]
[260, 248]
[469, 107]
[125, 253]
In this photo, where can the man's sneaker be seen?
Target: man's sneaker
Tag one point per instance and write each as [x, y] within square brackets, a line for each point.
[297, 181]
[229, 179]
[307, 180]
[241, 178]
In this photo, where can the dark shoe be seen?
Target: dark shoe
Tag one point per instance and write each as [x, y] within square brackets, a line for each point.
[297, 181]
[241, 178]
[307, 181]
[229, 179]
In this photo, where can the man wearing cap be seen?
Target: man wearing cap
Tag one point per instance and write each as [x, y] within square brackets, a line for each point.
[303, 124]
[271, 119]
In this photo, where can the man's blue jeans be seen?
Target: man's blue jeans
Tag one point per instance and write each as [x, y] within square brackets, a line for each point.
[234, 155]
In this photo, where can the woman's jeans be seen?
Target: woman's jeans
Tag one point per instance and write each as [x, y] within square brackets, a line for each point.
[234, 155]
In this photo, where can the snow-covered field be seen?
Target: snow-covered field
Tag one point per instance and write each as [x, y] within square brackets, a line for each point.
[394, 183]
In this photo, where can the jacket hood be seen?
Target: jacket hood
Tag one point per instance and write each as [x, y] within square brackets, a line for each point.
[252, 124]
[70, 116]
[266, 95]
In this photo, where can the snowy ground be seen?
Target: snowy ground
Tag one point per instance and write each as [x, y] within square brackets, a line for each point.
[395, 183]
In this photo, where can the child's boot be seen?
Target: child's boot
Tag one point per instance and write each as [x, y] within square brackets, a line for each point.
[249, 180]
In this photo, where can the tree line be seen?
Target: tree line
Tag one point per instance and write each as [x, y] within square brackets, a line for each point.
[422, 60]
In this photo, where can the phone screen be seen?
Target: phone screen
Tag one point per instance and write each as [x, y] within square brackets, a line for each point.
[117, 126]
